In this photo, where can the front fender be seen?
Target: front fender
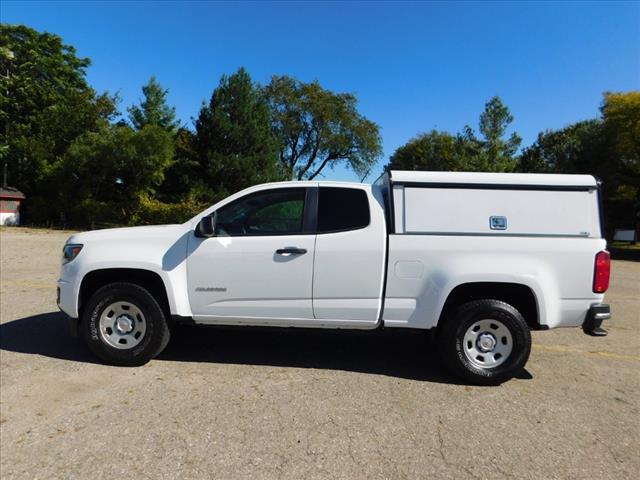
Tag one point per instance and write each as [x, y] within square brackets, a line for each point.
[162, 256]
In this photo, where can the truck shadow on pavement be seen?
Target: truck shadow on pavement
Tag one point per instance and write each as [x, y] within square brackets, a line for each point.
[396, 353]
[45, 334]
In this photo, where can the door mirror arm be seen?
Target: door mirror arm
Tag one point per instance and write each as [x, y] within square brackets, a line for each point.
[206, 227]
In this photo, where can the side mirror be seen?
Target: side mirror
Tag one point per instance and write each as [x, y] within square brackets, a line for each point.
[207, 226]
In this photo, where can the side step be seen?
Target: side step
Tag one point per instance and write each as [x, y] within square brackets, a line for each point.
[596, 314]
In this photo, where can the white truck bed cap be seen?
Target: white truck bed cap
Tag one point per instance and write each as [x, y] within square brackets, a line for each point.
[485, 178]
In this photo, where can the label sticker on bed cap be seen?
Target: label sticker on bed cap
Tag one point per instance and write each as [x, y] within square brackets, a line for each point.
[498, 223]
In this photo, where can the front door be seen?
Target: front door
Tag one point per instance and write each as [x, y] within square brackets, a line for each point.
[260, 263]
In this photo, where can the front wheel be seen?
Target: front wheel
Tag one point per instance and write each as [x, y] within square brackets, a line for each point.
[485, 342]
[123, 324]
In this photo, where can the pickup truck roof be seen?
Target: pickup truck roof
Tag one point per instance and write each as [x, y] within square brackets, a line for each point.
[482, 178]
[406, 177]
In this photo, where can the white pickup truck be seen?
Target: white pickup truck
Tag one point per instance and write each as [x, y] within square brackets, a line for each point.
[482, 258]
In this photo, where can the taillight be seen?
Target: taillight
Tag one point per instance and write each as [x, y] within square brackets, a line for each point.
[602, 272]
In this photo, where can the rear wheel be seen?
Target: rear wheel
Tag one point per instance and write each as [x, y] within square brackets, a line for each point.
[485, 342]
[123, 324]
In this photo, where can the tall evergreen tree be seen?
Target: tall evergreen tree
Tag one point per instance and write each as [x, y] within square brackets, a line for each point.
[492, 152]
[183, 179]
[498, 152]
[233, 140]
[154, 110]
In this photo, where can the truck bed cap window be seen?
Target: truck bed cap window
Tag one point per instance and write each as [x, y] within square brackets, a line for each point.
[341, 209]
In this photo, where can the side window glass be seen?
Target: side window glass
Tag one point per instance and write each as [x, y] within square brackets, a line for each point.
[341, 209]
[272, 212]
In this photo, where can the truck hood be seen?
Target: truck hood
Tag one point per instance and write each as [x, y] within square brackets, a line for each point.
[154, 232]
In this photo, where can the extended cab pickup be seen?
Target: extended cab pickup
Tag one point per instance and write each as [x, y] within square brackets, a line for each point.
[483, 258]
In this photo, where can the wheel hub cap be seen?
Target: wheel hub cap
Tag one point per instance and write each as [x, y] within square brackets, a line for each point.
[124, 324]
[486, 342]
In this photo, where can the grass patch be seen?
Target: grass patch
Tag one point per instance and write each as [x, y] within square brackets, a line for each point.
[625, 246]
[624, 251]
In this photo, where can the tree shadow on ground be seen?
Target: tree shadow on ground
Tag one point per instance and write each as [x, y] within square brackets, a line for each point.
[397, 353]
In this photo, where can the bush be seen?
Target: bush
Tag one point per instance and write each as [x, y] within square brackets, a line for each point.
[154, 212]
[90, 213]
[37, 210]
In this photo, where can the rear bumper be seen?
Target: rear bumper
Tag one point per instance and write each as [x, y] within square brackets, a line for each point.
[595, 316]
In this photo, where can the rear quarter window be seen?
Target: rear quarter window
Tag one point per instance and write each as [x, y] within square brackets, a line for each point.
[342, 209]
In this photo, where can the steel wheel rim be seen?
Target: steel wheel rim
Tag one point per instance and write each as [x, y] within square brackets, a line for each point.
[487, 343]
[122, 325]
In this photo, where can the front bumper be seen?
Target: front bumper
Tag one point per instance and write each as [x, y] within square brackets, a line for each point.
[71, 321]
[595, 316]
[67, 297]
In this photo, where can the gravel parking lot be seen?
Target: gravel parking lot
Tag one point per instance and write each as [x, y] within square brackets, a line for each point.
[232, 403]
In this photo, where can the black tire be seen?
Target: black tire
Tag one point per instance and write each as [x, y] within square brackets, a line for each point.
[155, 338]
[452, 348]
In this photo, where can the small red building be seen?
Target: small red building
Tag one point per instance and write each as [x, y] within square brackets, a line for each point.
[10, 199]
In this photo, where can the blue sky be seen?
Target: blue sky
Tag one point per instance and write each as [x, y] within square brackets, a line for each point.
[413, 66]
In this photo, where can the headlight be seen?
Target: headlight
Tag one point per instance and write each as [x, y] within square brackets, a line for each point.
[70, 251]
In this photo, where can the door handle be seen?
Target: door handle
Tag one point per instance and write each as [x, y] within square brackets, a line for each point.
[291, 251]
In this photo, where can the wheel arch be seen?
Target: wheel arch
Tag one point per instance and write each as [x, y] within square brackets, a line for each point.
[147, 279]
[520, 296]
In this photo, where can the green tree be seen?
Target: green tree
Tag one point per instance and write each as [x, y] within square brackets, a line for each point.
[233, 141]
[464, 151]
[532, 160]
[607, 147]
[621, 126]
[183, 178]
[496, 154]
[317, 128]
[114, 169]
[45, 104]
[621, 116]
[577, 148]
[153, 110]
[491, 152]
[434, 151]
